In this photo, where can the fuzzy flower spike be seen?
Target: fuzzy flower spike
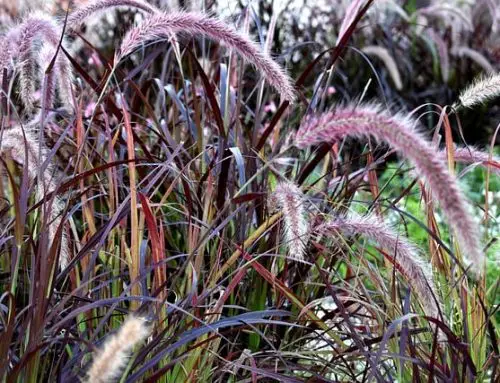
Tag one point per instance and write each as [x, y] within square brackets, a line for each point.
[109, 361]
[289, 199]
[80, 15]
[471, 155]
[21, 48]
[483, 89]
[162, 25]
[399, 132]
[20, 144]
[403, 254]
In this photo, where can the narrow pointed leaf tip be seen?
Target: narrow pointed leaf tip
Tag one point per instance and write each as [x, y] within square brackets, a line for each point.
[161, 26]
[109, 361]
[399, 132]
[288, 198]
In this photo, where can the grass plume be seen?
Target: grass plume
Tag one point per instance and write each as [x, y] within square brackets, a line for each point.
[384, 55]
[404, 255]
[110, 360]
[289, 199]
[475, 56]
[22, 45]
[162, 25]
[471, 155]
[21, 144]
[80, 15]
[399, 132]
[483, 89]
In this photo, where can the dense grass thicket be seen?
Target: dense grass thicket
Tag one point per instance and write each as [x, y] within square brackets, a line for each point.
[243, 192]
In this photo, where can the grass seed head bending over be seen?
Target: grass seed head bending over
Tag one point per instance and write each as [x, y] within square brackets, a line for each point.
[404, 254]
[163, 25]
[80, 15]
[470, 155]
[22, 144]
[383, 54]
[399, 132]
[22, 48]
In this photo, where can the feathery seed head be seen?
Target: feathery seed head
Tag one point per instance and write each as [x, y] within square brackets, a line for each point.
[470, 155]
[165, 25]
[80, 15]
[399, 132]
[474, 55]
[22, 47]
[48, 79]
[289, 198]
[404, 254]
[109, 361]
[483, 89]
[35, 28]
[22, 144]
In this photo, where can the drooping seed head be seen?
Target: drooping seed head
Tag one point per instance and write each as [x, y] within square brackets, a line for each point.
[399, 132]
[22, 49]
[471, 155]
[162, 26]
[21, 144]
[80, 15]
[384, 55]
[403, 253]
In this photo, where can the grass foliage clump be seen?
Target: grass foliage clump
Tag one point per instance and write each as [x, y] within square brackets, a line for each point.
[170, 213]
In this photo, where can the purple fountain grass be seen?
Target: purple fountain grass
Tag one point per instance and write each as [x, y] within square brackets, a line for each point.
[83, 13]
[35, 25]
[471, 155]
[59, 77]
[163, 25]
[8, 42]
[483, 89]
[289, 198]
[404, 254]
[399, 132]
[109, 361]
[22, 48]
[22, 144]
[474, 55]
